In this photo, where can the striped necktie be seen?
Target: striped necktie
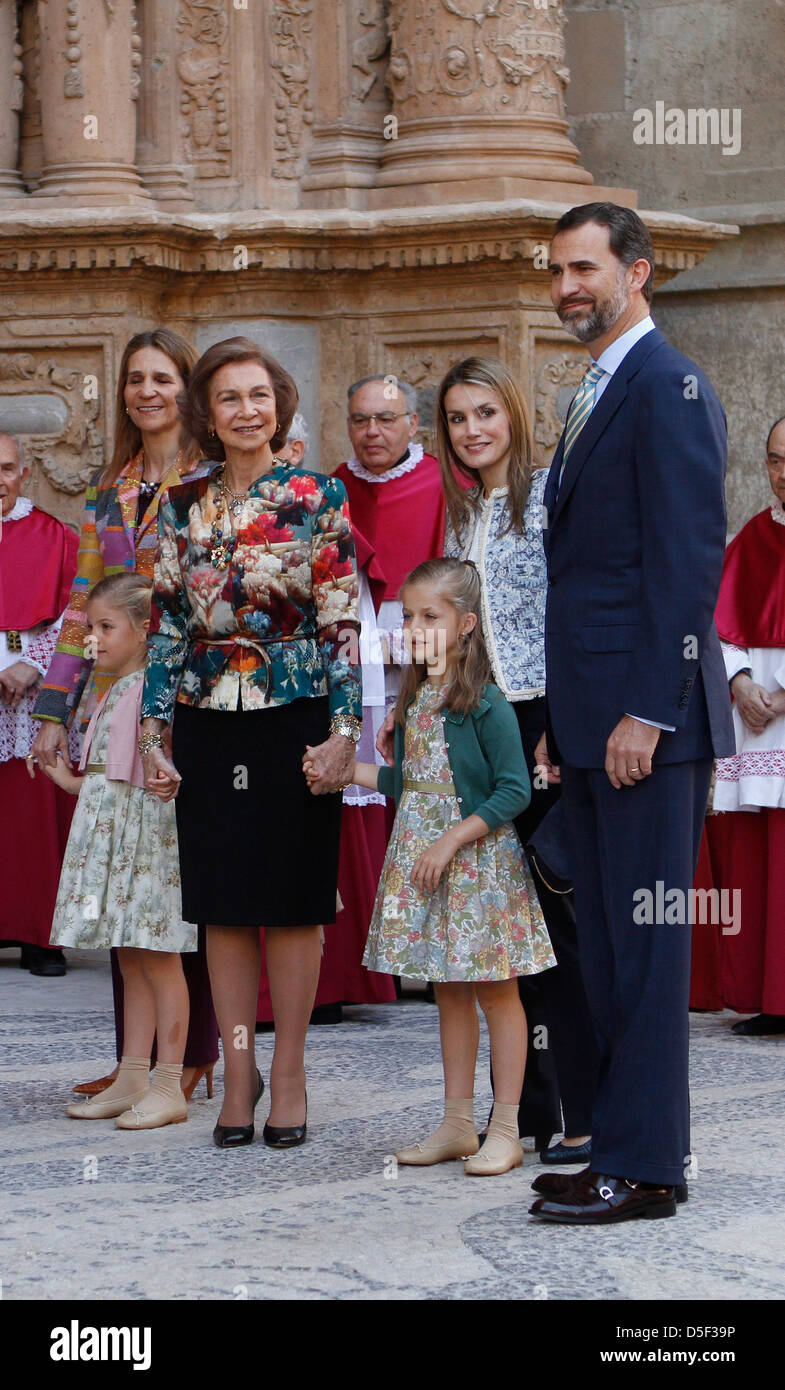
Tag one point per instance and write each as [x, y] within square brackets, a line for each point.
[581, 407]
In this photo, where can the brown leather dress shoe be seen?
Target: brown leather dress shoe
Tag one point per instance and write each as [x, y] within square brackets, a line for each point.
[94, 1088]
[553, 1184]
[597, 1199]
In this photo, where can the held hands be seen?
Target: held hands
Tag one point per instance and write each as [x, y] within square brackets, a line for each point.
[755, 705]
[161, 777]
[433, 861]
[15, 680]
[50, 740]
[328, 766]
[629, 751]
[60, 773]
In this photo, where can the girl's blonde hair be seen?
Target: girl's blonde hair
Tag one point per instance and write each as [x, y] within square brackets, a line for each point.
[131, 593]
[457, 581]
[462, 505]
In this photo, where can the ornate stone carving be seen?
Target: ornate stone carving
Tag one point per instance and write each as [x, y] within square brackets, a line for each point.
[202, 67]
[136, 54]
[507, 53]
[558, 378]
[73, 83]
[292, 26]
[69, 459]
[369, 48]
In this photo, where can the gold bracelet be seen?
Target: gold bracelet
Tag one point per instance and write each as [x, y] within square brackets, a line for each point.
[147, 742]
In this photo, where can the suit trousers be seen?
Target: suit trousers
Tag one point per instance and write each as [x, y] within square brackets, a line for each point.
[635, 960]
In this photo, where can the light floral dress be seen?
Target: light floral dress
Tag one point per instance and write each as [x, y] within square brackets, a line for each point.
[484, 921]
[120, 884]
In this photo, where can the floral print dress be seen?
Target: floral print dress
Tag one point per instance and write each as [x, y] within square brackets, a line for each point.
[484, 921]
[120, 884]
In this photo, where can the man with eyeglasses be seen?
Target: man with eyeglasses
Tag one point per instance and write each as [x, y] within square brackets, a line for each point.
[395, 494]
[748, 844]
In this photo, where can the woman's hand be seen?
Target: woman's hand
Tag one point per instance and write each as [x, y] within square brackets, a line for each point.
[432, 862]
[385, 742]
[753, 702]
[542, 760]
[160, 775]
[328, 767]
[50, 739]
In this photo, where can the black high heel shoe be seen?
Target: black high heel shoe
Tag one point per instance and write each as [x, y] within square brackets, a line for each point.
[286, 1136]
[232, 1136]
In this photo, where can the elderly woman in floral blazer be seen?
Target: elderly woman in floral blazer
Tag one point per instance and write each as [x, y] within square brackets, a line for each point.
[254, 656]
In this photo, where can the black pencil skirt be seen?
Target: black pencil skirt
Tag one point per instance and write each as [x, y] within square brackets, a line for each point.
[257, 849]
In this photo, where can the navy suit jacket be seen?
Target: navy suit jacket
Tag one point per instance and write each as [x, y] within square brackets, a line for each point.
[635, 538]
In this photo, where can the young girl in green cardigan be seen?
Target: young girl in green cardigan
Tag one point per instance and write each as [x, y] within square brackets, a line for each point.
[456, 904]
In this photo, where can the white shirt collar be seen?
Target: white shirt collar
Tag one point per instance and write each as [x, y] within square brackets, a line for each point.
[413, 457]
[613, 356]
[21, 508]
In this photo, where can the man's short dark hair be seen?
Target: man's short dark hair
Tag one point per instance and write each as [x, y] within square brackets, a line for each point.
[775, 426]
[629, 236]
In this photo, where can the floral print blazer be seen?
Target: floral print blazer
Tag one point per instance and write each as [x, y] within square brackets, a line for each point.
[279, 622]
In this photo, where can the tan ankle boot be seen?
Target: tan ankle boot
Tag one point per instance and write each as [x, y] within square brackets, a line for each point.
[129, 1087]
[164, 1103]
[455, 1138]
[502, 1148]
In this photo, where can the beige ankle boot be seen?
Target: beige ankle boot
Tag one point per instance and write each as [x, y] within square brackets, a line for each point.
[164, 1103]
[502, 1148]
[455, 1138]
[128, 1088]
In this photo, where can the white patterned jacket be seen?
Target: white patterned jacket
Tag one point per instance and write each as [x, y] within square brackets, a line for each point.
[513, 577]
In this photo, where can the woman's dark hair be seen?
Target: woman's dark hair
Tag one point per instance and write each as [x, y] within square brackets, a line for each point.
[458, 581]
[127, 436]
[628, 234]
[196, 405]
[462, 504]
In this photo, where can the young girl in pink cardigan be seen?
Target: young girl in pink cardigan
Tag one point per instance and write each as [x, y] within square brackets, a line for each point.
[120, 884]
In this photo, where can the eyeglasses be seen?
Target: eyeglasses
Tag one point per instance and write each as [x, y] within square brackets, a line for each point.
[384, 420]
[775, 460]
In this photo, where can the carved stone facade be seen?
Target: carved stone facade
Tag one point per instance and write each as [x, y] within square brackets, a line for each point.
[363, 185]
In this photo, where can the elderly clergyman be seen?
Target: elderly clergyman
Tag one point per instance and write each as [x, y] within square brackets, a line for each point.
[394, 488]
[37, 568]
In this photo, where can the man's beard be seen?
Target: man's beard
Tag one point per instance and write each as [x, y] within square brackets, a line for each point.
[602, 317]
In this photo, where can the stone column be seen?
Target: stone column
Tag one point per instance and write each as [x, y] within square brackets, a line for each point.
[160, 149]
[88, 83]
[478, 93]
[351, 101]
[10, 102]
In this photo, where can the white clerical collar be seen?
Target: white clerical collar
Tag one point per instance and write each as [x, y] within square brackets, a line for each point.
[614, 355]
[778, 513]
[21, 508]
[413, 456]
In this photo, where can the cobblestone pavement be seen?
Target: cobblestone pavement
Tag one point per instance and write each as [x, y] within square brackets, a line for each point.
[167, 1215]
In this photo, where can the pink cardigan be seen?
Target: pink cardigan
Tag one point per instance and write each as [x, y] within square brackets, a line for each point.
[123, 763]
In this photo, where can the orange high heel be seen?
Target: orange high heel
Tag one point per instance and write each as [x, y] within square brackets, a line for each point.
[207, 1073]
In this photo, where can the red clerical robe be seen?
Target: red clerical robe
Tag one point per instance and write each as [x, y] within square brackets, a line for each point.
[402, 518]
[744, 850]
[37, 568]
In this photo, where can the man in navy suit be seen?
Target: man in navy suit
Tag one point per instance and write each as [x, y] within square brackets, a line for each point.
[637, 699]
